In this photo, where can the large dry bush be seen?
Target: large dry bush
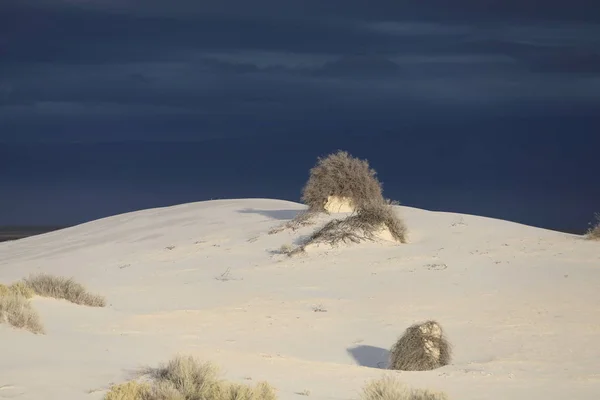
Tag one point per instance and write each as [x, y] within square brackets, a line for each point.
[389, 388]
[594, 232]
[16, 310]
[46, 285]
[362, 225]
[423, 347]
[185, 378]
[343, 176]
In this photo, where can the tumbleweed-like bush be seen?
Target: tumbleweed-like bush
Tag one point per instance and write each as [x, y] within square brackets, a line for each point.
[594, 232]
[46, 285]
[390, 388]
[423, 347]
[344, 177]
[185, 378]
[16, 310]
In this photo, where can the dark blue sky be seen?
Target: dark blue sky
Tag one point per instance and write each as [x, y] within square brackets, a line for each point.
[484, 107]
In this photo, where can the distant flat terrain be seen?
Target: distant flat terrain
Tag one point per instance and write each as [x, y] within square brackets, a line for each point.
[19, 232]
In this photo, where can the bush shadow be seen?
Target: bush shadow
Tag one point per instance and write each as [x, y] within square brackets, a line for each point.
[370, 356]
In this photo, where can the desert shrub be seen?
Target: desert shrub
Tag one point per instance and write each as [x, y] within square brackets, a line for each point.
[17, 288]
[594, 232]
[302, 219]
[360, 226]
[132, 390]
[163, 390]
[189, 377]
[16, 310]
[184, 378]
[389, 388]
[423, 347]
[238, 391]
[46, 285]
[343, 176]
[372, 218]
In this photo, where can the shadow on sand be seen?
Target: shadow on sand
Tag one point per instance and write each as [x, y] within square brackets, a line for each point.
[370, 356]
[275, 214]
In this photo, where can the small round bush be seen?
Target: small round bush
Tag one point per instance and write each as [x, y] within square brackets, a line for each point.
[423, 347]
[343, 176]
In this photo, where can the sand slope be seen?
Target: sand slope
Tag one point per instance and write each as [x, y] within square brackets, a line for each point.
[521, 305]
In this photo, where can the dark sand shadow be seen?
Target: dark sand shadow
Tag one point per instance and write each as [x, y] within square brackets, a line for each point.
[275, 214]
[370, 356]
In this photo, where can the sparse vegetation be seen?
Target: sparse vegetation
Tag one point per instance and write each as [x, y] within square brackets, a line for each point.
[226, 276]
[594, 232]
[319, 308]
[363, 225]
[17, 288]
[302, 219]
[345, 177]
[390, 388]
[423, 347]
[128, 391]
[188, 377]
[16, 310]
[46, 285]
[340, 179]
[184, 378]
[286, 249]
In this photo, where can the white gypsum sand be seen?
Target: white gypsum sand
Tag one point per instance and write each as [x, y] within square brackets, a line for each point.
[519, 304]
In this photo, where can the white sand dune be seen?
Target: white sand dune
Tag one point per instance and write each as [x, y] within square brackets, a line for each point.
[521, 305]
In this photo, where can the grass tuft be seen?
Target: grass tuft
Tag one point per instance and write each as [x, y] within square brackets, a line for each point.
[188, 376]
[163, 390]
[132, 390]
[184, 378]
[57, 287]
[390, 388]
[16, 310]
[238, 391]
[17, 288]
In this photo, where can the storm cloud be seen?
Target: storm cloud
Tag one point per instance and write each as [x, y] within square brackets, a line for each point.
[484, 107]
[128, 69]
